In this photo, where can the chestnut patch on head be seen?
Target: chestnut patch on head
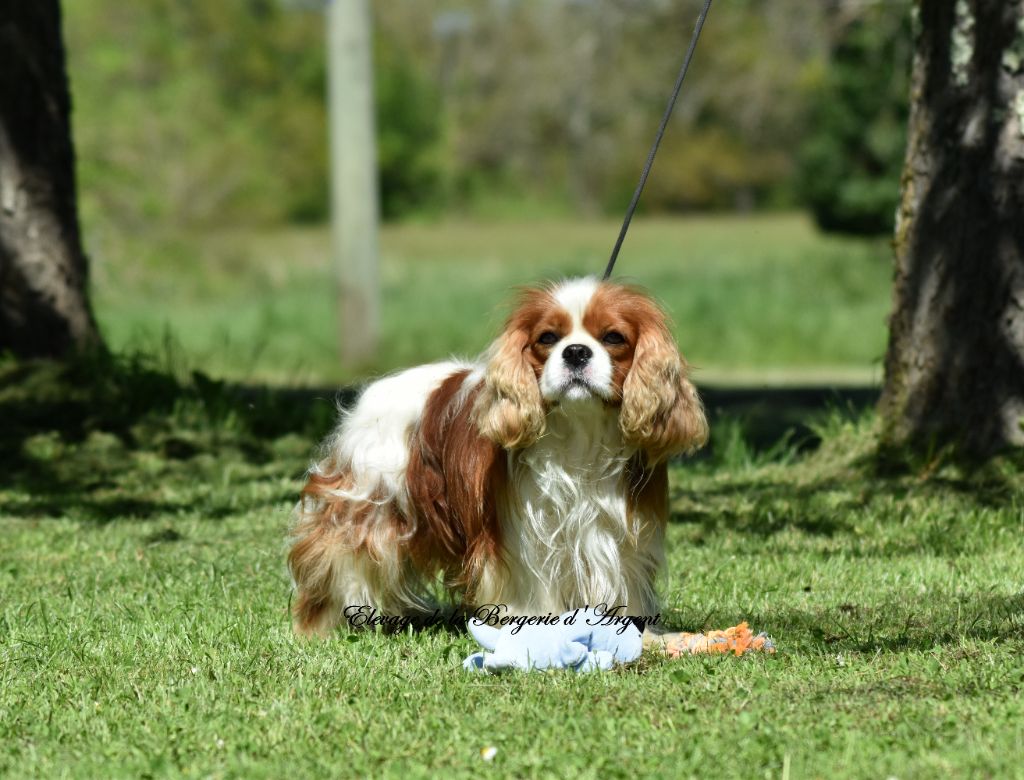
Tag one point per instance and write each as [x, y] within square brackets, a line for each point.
[549, 326]
[660, 411]
[509, 410]
[615, 317]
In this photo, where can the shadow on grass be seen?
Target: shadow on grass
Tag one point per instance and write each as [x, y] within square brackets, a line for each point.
[98, 435]
[769, 415]
[897, 625]
[102, 434]
[103, 437]
[900, 626]
[832, 506]
[92, 434]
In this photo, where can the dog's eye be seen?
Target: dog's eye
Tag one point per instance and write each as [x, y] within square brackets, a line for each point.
[547, 338]
[613, 337]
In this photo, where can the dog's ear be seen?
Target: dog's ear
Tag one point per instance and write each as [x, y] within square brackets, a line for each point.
[509, 410]
[661, 413]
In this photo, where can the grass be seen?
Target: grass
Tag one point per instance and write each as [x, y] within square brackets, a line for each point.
[144, 621]
[753, 298]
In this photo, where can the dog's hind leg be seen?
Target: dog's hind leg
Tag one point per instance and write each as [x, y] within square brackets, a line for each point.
[350, 552]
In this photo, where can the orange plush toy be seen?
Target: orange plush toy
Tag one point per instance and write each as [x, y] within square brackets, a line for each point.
[736, 640]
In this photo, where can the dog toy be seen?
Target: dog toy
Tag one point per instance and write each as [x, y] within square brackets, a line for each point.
[573, 643]
[568, 644]
[736, 640]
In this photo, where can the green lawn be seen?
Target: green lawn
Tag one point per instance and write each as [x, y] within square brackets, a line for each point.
[144, 619]
[754, 299]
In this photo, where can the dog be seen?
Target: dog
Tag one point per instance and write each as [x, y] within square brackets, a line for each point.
[534, 479]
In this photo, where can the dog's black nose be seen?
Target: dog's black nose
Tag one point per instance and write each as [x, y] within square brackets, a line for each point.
[577, 355]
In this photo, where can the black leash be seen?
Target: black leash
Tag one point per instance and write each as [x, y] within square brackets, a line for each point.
[657, 139]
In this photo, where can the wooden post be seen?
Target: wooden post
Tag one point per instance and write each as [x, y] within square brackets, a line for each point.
[354, 187]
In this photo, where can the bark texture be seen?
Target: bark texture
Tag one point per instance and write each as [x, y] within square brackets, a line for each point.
[44, 309]
[954, 370]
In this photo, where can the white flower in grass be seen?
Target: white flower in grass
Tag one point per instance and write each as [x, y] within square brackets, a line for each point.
[488, 753]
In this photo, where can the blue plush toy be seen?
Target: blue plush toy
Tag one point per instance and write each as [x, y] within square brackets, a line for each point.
[583, 644]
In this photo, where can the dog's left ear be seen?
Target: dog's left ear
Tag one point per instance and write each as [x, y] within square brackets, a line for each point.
[661, 414]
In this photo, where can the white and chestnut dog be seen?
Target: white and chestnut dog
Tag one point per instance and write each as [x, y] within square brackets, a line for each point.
[535, 479]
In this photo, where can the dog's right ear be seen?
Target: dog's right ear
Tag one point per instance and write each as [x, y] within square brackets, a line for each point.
[509, 410]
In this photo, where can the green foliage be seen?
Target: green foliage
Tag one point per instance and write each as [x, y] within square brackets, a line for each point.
[742, 116]
[409, 132]
[191, 113]
[214, 113]
[850, 165]
[144, 624]
[707, 169]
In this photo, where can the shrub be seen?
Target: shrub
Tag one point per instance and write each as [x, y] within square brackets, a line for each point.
[849, 167]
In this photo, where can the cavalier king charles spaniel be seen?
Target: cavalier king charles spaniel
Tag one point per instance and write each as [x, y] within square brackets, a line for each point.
[535, 479]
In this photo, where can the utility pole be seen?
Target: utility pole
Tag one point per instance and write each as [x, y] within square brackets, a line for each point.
[354, 187]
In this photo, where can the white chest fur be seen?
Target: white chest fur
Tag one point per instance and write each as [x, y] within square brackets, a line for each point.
[567, 529]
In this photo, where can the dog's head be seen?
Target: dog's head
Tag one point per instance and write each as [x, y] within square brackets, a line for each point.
[584, 341]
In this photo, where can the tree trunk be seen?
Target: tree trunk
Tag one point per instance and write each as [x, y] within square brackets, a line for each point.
[954, 370]
[44, 311]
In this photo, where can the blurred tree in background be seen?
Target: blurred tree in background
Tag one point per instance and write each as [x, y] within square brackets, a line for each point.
[851, 160]
[194, 113]
[213, 113]
[734, 142]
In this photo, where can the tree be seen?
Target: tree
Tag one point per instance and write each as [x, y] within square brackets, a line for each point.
[44, 310]
[954, 370]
